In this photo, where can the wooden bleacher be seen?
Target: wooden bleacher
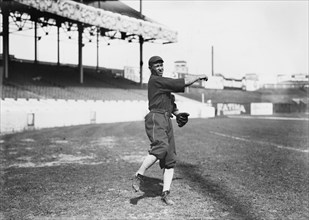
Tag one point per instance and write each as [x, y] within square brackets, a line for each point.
[49, 81]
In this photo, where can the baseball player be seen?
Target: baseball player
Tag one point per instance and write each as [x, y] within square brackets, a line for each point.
[158, 124]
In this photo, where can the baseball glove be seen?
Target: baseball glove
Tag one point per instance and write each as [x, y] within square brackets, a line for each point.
[182, 119]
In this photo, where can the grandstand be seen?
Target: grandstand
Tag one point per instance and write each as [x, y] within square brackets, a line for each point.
[50, 81]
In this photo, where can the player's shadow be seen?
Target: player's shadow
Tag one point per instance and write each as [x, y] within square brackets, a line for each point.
[150, 187]
[218, 191]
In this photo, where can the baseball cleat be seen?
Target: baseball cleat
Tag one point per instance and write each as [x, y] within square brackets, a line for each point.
[165, 198]
[137, 181]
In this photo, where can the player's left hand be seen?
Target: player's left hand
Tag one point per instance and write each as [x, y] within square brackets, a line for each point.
[182, 118]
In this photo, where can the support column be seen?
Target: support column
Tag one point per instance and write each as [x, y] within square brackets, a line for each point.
[35, 42]
[141, 42]
[5, 42]
[98, 51]
[80, 52]
[58, 42]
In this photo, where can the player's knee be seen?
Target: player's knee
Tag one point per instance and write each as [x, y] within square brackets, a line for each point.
[159, 149]
[170, 164]
[160, 154]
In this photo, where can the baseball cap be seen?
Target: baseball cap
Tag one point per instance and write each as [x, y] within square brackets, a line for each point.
[154, 59]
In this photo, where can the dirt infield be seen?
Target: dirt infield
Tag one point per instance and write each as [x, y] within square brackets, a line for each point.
[83, 172]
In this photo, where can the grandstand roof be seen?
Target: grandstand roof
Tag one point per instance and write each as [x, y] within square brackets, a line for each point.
[108, 18]
[111, 15]
[116, 7]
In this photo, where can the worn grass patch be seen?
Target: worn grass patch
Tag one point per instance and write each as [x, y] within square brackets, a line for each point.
[84, 172]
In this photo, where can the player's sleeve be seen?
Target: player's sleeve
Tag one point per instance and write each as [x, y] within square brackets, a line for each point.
[175, 109]
[166, 84]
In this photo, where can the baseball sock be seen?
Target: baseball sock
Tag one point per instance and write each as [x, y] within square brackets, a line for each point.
[148, 162]
[167, 178]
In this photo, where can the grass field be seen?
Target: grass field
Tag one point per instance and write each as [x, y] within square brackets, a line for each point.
[228, 168]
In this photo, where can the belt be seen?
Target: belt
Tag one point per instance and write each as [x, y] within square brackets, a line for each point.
[162, 111]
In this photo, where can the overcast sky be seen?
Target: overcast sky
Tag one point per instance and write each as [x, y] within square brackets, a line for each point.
[263, 37]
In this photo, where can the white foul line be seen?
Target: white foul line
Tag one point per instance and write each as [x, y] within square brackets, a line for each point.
[270, 117]
[261, 142]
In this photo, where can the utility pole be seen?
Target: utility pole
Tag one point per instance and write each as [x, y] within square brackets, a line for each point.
[212, 61]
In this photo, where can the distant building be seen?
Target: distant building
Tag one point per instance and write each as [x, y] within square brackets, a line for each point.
[299, 77]
[232, 83]
[298, 80]
[181, 68]
[251, 82]
[283, 78]
[214, 82]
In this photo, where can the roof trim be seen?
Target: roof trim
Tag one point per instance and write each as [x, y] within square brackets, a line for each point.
[102, 18]
[116, 6]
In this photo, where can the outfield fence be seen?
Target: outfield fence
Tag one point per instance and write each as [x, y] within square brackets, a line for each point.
[24, 114]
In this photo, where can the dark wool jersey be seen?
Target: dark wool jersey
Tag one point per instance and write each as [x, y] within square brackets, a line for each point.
[159, 92]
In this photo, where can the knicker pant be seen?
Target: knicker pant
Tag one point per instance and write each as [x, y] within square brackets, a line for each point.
[160, 132]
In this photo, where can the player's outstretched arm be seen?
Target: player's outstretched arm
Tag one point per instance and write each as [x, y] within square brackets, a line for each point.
[189, 80]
